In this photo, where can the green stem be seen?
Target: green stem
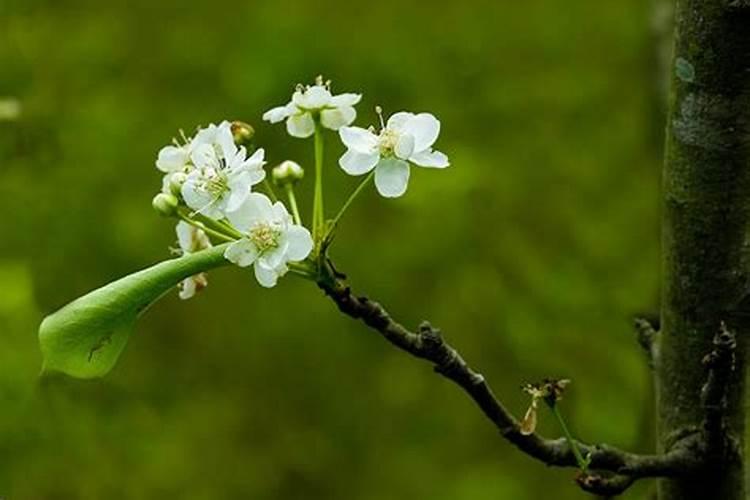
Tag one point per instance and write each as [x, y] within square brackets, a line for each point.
[348, 202]
[203, 227]
[220, 226]
[318, 217]
[293, 203]
[569, 438]
[269, 189]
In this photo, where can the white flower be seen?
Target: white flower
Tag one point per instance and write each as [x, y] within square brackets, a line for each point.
[191, 239]
[223, 175]
[335, 111]
[270, 240]
[406, 138]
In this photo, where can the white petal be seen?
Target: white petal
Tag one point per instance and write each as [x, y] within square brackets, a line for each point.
[185, 235]
[266, 276]
[242, 252]
[355, 163]
[187, 288]
[345, 100]
[300, 243]
[172, 158]
[425, 128]
[314, 97]
[392, 177]
[280, 213]
[300, 125]
[277, 114]
[255, 208]
[257, 157]
[359, 139]
[397, 120]
[275, 258]
[225, 141]
[195, 197]
[430, 158]
[203, 155]
[238, 194]
[404, 146]
[336, 118]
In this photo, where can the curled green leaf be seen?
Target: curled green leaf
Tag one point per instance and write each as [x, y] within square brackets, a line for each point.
[84, 338]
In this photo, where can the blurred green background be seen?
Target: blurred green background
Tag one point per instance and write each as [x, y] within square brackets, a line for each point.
[532, 252]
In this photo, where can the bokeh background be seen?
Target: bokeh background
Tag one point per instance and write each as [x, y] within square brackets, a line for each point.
[532, 252]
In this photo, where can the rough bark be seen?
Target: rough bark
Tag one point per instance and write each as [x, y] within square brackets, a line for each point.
[706, 202]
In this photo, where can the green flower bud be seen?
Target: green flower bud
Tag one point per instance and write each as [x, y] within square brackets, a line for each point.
[242, 133]
[165, 204]
[176, 181]
[288, 172]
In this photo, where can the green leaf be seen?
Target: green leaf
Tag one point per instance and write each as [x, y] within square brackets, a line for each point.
[85, 337]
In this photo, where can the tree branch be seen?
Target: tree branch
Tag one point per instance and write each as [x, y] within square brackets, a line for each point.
[647, 334]
[612, 470]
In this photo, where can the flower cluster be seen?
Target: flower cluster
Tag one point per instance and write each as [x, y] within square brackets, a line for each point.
[211, 182]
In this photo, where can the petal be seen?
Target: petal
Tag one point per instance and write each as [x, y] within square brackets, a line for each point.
[425, 128]
[300, 243]
[392, 177]
[255, 208]
[195, 197]
[404, 146]
[225, 140]
[280, 213]
[242, 252]
[430, 158]
[258, 157]
[277, 114]
[238, 194]
[171, 158]
[345, 100]
[359, 139]
[336, 118]
[300, 125]
[275, 258]
[185, 236]
[314, 97]
[266, 276]
[397, 120]
[355, 163]
[203, 155]
[187, 288]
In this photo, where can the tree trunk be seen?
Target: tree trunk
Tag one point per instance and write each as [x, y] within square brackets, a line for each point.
[706, 210]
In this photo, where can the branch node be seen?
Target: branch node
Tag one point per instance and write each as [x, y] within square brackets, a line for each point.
[647, 336]
[607, 485]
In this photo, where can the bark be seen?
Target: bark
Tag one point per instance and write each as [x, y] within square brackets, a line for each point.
[706, 209]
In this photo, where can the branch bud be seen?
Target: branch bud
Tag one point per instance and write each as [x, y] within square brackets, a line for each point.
[242, 133]
[287, 173]
[165, 204]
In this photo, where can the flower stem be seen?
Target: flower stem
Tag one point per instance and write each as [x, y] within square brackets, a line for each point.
[269, 189]
[293, 204]
[346, 204]
[582, 462]
[318, 217]
[200, 225]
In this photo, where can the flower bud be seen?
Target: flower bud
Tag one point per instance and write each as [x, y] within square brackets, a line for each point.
[242, 133]
[165, 204]
[176, 181]
[288, 172]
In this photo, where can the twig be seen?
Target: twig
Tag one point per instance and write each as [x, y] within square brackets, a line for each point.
[614, 470]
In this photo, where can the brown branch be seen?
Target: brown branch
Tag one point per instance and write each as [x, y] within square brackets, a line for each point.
[611, 470]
